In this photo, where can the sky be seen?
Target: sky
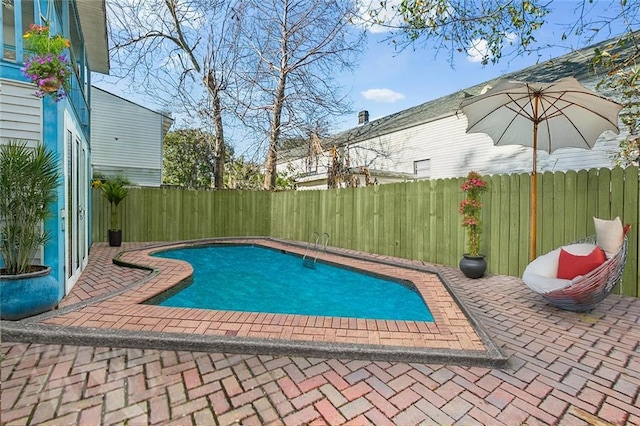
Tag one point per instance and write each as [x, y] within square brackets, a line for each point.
[386, 81]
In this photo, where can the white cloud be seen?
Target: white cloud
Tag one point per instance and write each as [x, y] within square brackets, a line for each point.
[479, 49]
[511, 38]
[377, 28]
[378, 16]
[370, 11]
[382, 95]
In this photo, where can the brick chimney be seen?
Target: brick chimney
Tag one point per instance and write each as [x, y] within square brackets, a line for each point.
[363, 117]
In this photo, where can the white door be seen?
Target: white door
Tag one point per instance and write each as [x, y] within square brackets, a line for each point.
[76, 193]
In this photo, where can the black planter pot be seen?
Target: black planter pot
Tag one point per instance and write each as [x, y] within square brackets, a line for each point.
[115, 237]
[473, 266]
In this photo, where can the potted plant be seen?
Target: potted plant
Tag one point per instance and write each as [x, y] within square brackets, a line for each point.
[473, 264]
[114, 192]
[28, 182]
[47, 67]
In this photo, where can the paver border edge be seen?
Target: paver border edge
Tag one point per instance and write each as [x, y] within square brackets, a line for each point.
[97, 337]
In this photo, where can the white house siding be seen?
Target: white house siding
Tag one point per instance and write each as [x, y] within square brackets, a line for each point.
[454, 153]
[126, 139]
[20, 112]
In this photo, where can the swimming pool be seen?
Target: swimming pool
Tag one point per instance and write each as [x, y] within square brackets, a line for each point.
[258, 279]
[453, 336]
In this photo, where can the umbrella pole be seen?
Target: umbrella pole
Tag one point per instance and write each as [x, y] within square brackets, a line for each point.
[534, 185]
[534, 209]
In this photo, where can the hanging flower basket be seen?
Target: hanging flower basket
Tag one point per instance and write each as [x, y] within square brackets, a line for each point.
[47, 67]
[51, 86]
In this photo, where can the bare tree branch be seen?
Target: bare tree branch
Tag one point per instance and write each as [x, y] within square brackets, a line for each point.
[296, 47]
[157, 46]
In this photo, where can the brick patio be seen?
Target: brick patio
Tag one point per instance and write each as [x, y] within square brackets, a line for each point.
[563, 368]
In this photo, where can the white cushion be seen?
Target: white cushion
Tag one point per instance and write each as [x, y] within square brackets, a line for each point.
[609, 235]
[540, 275]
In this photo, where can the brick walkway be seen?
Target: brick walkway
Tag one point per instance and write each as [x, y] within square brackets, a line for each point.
[564, 368]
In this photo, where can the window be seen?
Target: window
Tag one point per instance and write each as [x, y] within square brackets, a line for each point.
[15, 14]
[422, 168]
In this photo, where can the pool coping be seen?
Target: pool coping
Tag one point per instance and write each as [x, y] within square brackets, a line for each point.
[37, 329]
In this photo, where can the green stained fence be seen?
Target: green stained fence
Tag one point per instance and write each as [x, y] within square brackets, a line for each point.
[414, 220]
[153, 214]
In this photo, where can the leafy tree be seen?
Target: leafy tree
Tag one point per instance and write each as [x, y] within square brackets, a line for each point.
[623, 77]
[247, 175]
[458, 25]
[189, 162]
[188, 159]
[493, 28]
[286, 180]
[243, 175]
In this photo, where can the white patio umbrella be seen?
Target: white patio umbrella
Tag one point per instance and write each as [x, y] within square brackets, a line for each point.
[545, 116]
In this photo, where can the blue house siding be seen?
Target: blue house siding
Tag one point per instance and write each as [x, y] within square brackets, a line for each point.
[11, 71]
[65, 124]
[54, 250]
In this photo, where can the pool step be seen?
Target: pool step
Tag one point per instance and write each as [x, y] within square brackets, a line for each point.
[309, 263]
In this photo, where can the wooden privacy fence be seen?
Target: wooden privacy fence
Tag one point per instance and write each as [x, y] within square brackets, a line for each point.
[154, 214]
[414, 220]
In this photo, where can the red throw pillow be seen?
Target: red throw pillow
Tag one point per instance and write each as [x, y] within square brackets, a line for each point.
[572, 265]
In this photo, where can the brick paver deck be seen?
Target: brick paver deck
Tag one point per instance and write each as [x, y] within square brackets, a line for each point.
[450, 329]
[563, 368]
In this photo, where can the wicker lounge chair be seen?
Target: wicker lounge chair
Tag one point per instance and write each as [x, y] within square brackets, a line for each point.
[581, 293]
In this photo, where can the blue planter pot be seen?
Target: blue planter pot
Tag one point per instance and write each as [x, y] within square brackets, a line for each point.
[25, 295]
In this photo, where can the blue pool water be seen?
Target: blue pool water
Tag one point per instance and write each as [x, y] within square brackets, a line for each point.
[257, 279]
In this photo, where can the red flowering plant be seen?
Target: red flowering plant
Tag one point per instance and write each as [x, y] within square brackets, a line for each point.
[47, 66]
[470, 208]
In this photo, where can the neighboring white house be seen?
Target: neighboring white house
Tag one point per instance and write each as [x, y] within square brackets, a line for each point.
[429, 141]
[126, 139]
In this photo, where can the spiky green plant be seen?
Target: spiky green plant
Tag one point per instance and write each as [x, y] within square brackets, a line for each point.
[114, 191]
[28, 181]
